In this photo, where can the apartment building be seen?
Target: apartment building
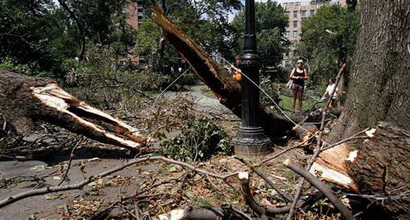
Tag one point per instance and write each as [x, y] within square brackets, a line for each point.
[134, 12]
[297, 11]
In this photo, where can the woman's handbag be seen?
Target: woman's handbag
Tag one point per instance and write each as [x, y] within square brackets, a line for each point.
[289, 84]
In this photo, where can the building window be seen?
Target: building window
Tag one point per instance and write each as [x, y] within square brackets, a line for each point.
[295, 24]
[295, 33]
[295, 14]
[312, 12]
[287, 13]
[303, 13]
[286, 33]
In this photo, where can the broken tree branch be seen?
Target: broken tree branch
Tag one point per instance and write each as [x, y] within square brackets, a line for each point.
[264, 177]
[255, 206]
[258, 209]
[300, 185]
[90, 179]
[321, 187]
[78, 185]
[331, 162]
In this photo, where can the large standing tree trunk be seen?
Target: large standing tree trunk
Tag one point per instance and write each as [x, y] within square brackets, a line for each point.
[380, 74]
[379, 96]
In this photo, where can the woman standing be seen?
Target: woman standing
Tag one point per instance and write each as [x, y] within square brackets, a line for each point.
[298, 75]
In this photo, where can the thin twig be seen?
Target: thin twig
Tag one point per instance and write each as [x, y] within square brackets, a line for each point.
[112, 205]
[272, 184]
[120, 199]
[241, 213]
[79, 142]
[129, 212]
[352, 137]
[401, 196]
[17, 158]
[280, 153]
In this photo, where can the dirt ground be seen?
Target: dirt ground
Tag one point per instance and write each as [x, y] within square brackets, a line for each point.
[21, 176]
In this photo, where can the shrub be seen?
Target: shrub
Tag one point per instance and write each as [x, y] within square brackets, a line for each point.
[151, 81]
[199, 140]
[272, 89]
[30, 69]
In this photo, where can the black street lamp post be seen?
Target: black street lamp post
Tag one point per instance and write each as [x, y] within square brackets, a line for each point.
[251, 140]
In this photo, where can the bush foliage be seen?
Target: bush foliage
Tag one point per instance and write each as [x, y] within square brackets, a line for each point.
[199, 140]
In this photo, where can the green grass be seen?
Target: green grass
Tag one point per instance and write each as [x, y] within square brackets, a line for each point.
[286, 102]
[209, 93]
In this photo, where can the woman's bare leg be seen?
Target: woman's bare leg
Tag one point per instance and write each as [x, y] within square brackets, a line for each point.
[300, 98]
[294, 96]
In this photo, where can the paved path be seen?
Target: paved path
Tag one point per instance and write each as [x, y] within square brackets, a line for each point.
[203, 98]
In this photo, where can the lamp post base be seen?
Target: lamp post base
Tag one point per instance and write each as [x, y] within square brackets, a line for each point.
[251, 141]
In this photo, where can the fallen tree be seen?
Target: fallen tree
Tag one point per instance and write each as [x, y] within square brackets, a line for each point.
[214, 75]
[25, 100]
[378, 166]
[378, 96]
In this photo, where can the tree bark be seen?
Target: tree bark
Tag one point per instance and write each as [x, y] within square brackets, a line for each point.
[381, 168]
[378, 88]
[24, 100]
[379, 95]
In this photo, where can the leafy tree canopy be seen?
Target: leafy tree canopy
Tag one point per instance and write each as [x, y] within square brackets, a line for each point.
[271, 23]
[41, 35]
[26, 39]
[328, 40]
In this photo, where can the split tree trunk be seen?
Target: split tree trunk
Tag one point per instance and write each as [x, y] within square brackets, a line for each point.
[24, 100]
